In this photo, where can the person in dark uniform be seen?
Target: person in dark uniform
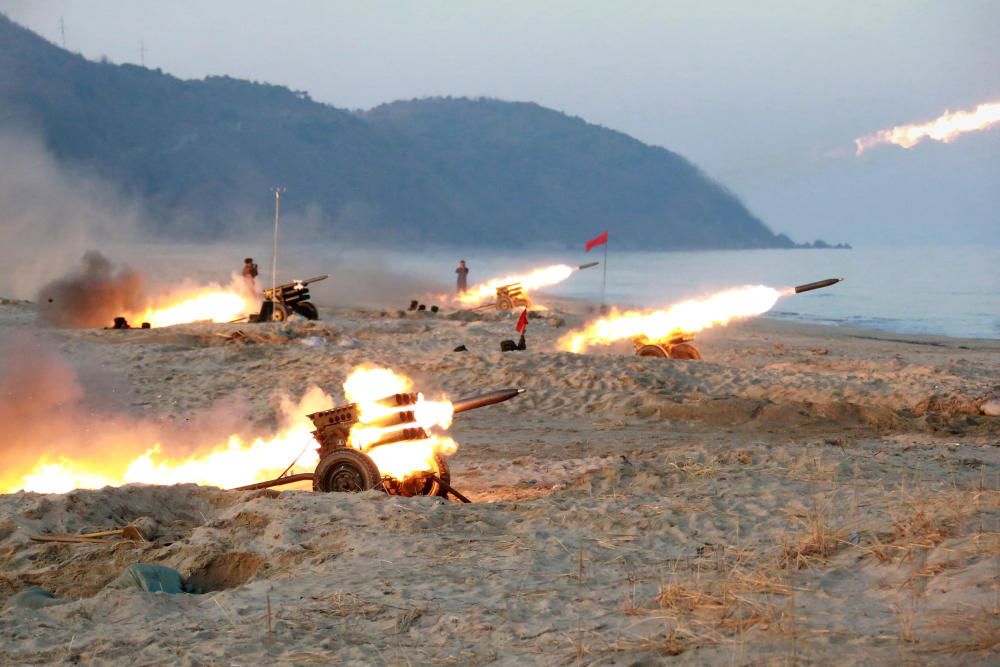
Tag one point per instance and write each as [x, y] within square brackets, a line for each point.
[463, 272]
[250, 273]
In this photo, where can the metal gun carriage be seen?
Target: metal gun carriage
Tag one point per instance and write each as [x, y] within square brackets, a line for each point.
[678, 346]
[514, 295]
[344, 468]
[508, 298]
[283, 300]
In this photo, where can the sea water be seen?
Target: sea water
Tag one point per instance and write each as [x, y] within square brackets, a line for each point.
[949, 290]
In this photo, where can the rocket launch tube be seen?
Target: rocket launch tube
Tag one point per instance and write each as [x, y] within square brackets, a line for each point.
[816, 285]
[482, 400]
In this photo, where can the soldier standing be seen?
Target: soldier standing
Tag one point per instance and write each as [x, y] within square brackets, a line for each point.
[250, 273]
[463, 272]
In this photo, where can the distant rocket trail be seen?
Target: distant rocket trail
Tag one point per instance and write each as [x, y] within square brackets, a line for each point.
[945, 128]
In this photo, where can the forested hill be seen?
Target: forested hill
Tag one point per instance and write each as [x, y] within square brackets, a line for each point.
[202, 156]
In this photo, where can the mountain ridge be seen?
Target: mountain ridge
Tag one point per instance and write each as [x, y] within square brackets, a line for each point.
[201, 154]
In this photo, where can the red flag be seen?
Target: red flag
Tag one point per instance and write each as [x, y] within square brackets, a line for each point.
[522, 321]
[600, 239]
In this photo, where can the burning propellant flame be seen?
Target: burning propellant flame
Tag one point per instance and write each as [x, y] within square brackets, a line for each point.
[366, 386]
[239, 461]
[543, 277]
[201, 304]
[946, 128]
[686, 317]
[233, 463]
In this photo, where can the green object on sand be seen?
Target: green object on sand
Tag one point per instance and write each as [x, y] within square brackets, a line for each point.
[151, 578]
[33, 598]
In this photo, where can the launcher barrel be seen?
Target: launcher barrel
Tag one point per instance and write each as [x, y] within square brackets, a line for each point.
[482, 400]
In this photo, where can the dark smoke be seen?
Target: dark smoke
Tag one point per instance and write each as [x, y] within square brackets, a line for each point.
[91, 296]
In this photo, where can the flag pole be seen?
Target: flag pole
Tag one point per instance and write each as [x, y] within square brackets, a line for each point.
[604, 281]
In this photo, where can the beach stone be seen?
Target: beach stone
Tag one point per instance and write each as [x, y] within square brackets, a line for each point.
[151, 578]
[991, 407]
[148, 528]
[33, 598]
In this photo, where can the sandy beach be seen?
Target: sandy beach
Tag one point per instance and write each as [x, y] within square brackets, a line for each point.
[805, 494]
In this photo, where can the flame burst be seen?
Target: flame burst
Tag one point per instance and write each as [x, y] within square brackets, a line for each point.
[543, 277]
[946, 128]
[400, 460]
[234, 463]
[202, 304]
[686, 317]
[237, 461]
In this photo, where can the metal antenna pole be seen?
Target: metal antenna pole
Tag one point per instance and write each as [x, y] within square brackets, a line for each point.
[62, 31]
[604, 281]
[274, 256]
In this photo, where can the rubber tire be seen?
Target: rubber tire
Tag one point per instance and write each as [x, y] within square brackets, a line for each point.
[433, 488]
[651, 351]
[685, 351]
[346, 461]
[278, 312]
[505, 303]
[307, 310]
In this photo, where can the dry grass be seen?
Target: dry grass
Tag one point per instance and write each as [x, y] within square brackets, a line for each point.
[920, 522]
[721, 607]
[670, 642]
[348, 604]
[977, 631]
[818, 540]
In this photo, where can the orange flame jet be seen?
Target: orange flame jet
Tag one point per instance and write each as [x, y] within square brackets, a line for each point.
[236, 462]
[365, 387]
[946, 128]
[199, 304]
[686, 317]
[542, 277]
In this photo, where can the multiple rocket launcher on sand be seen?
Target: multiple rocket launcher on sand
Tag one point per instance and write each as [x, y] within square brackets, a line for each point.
[344, 468]
[514, 295]
[679, 346]
[283, 300]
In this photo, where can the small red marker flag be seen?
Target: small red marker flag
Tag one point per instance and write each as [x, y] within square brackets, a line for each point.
[600, 239]
[522, 321]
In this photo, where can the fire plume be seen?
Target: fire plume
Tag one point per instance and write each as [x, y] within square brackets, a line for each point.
[541, 277]
[199, 304]
[366, 386]
[946, 128]
[686, 317]
[236, 460]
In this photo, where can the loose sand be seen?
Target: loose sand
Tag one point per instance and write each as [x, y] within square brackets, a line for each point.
[805, 494]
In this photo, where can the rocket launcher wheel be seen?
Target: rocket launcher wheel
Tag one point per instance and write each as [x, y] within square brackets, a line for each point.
[685, 351]
[421, 485]
[307, 310]
[652, 351]
[346, 470]
[677, 347]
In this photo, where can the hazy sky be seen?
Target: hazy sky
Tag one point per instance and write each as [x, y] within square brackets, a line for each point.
[766, 97]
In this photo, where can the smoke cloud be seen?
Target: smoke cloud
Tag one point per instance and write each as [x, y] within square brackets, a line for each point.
[52, 411]
[52, 214]
[90, 296]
